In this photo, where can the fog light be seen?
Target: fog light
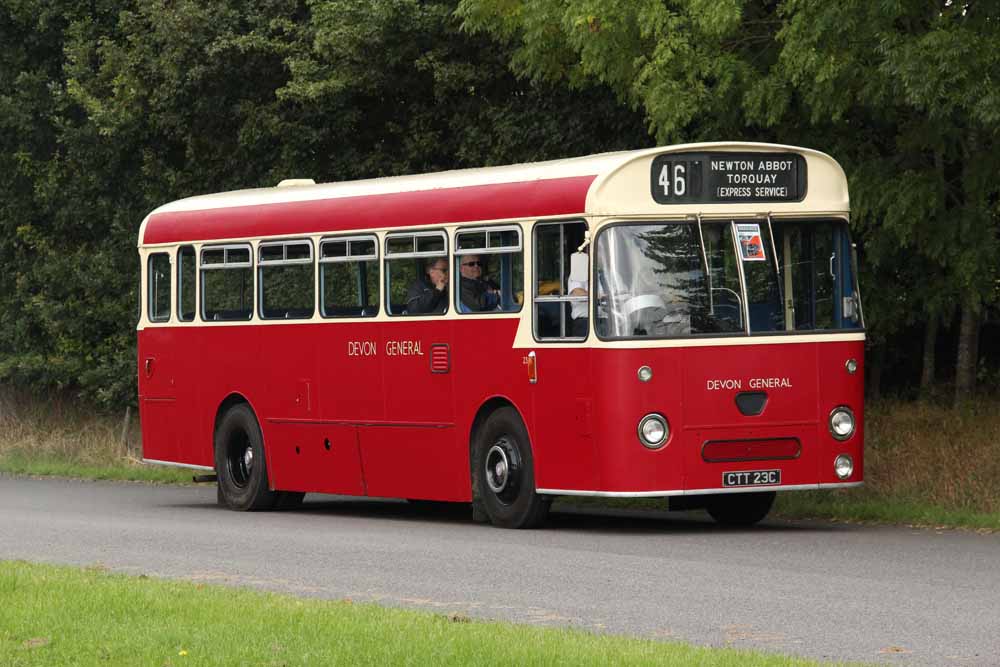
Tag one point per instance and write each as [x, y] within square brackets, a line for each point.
[842, 423]
[851, 366]
[645, 374]
[653, 431]
[843, 466]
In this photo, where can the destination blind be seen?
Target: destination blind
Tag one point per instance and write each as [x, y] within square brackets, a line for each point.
[724, 178]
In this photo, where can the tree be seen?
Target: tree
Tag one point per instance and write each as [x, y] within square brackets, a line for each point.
[894, 90]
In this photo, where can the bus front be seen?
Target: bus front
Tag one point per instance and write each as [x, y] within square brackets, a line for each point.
[729, 325]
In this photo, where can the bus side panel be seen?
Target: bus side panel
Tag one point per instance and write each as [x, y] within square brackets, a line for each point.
[561, 428]
[349, 358]
[485, 366]
[624, 463]
[158, 394]
[318, 458]
[416, 452]
[840, 388]
[303, 453]
[230, 357]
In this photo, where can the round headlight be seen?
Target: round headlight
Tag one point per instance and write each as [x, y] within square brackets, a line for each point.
[842, 423]
[843, 466]
[645, 374]
[653, 431]
[852, 366]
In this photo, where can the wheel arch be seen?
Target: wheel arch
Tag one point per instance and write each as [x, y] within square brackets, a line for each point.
[233, 399]
[488, 407]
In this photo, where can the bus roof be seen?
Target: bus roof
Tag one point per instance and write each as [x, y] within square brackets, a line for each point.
[604, 184]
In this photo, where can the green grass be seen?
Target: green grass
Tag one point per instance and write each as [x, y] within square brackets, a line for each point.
[21, 464]
[56, 616]
[859, 506]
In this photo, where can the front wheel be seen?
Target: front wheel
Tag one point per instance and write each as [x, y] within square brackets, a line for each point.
[239, 462]
[503, 476]
[740, 509]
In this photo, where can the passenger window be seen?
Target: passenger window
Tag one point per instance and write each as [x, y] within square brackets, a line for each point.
[562, 281]
[489, 266]
[226, 283]
[158, 277]
[287, 289]
[348, 270]
[416, 273]
[186, 288]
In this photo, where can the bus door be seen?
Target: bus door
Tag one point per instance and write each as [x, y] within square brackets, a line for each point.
[412, 451]
[562, 399]
[157, 375]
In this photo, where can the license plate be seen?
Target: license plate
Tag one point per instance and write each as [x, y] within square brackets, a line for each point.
[751, 478]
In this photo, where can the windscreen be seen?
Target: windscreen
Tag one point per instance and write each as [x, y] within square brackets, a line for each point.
[675, 279]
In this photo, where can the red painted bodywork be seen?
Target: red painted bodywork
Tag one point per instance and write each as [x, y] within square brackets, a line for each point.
[388, 426]
[396, 429]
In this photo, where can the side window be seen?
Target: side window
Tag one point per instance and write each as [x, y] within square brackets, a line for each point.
[186, 288]
[226, 283]
[489, 268]
[348, 277]
[562, 281]
[416, 273]
[158, 278]
[287, 283]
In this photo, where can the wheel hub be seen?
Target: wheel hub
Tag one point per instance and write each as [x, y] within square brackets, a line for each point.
[497, 469]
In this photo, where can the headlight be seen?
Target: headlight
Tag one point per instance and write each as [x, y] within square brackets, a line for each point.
[843, 465]
[653, 431]
[842, 423]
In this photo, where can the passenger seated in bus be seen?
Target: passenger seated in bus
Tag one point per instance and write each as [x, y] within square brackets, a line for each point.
[429, 294]
[477, 294]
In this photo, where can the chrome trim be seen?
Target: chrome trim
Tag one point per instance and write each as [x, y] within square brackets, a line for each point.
[696, 492]
[854, 423]
[177, 465]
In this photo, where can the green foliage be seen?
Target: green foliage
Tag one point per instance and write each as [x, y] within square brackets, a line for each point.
[112, 108]
[903, 94]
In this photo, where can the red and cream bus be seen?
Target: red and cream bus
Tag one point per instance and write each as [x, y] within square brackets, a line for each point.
[678, 322]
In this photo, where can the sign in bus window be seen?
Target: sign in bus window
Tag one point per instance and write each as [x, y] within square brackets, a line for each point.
[561, 293]
[349, 278]
[489, 265]
[286, 280]
[226, 283]
[159, 287]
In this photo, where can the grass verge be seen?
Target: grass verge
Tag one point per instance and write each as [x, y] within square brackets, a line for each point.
[66, 616]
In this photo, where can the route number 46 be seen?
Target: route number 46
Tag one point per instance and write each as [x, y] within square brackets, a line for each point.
[673, 179]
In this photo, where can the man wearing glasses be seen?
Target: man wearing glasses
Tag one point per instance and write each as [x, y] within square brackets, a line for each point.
[429, 294]
[477, 294]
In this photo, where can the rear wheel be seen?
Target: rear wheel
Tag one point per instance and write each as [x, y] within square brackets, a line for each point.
[239, 462]
[740, 509]
[503, 475]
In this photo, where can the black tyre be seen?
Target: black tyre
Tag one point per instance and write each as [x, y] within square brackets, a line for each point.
[503, 474]
[240, 463]
[740, 509]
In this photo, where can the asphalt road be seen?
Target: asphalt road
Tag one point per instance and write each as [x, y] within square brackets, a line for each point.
[874, 594]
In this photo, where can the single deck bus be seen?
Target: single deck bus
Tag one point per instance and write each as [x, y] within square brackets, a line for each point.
[680, 322]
